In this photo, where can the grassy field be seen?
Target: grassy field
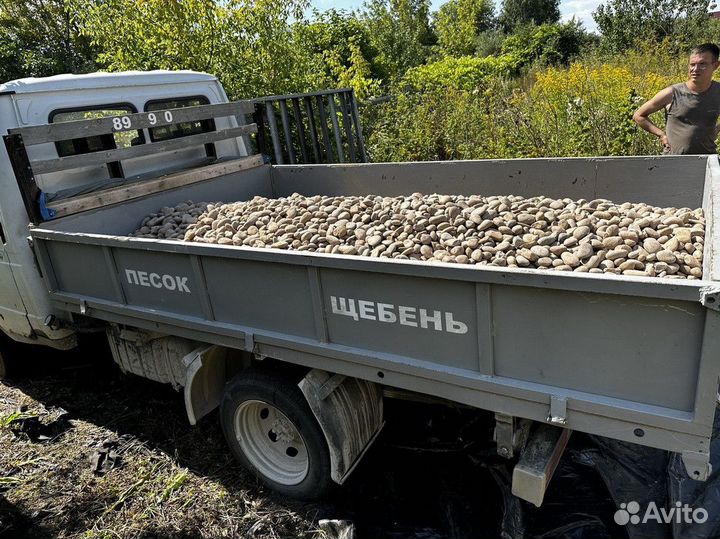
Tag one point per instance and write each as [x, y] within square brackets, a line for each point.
[89, 452]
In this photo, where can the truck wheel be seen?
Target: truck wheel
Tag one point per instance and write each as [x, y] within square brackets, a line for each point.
[273, 432]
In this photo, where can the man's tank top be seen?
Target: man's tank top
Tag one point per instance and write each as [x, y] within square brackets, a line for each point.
[691, 120]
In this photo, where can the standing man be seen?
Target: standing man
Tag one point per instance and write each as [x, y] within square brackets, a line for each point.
[692, 107]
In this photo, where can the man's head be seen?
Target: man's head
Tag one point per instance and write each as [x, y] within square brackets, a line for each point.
[703, 63]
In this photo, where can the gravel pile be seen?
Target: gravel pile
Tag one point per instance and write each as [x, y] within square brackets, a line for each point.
[596, 236]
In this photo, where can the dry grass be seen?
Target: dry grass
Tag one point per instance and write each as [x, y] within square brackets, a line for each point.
[431, 474]
[173, 480]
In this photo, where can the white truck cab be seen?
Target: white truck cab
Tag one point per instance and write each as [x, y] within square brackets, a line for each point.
[24, 304]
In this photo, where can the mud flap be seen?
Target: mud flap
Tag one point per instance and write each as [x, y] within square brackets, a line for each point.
[350, 414]
[204, 381]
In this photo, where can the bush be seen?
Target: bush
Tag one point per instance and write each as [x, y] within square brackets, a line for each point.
[459, 111]
[489, 43]
[463, 73]
[587, 110]
[546, 44]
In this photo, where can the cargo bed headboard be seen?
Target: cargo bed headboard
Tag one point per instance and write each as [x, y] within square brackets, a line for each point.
[42, 206]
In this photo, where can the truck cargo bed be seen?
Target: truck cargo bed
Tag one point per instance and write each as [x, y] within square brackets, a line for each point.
[631, 358]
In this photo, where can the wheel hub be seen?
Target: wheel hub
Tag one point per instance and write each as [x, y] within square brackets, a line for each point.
[271, 442]
[284, 431]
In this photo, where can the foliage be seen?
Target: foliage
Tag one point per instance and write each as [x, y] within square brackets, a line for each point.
[332, 32]
[185, 33]
[38, 38]
[683, 22]
[583, 109]
[459, 22]
[341, 44]
[472, 91]
[400, 32]
[489, 42]
[464, 73]
[546, 44]
[435, 125]
[258, 54]
[516, 13]
[7, 420]
[246, 43]
[587, 110]
[357, 75]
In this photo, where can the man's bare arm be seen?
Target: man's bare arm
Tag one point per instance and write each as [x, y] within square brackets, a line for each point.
[641, 117]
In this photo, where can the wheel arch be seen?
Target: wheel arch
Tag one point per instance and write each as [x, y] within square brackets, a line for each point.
[348, 410]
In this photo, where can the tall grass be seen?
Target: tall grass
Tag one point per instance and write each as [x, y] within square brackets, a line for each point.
[582, 109]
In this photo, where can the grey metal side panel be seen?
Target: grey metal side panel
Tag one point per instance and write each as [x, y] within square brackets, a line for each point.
[433, 343]
[176, 289]
[512, 333]
[566, 178]
[274, 297]
[662, 181]
[645, 350]
[82, 270]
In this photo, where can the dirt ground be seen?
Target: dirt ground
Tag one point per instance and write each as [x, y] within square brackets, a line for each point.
[87, 452]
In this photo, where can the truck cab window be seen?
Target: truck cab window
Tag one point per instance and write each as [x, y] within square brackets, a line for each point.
[100, 142]
[181, 129]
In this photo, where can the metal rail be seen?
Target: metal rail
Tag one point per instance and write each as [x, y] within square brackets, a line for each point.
[317, 127]
[26, 166]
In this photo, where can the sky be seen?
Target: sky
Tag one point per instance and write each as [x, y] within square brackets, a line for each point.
[580, 9]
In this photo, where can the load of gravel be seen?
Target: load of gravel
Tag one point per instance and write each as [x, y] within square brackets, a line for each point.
[596, 236]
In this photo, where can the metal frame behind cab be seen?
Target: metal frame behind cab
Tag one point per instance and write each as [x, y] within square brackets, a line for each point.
[29, 191]
[25, 168]
[323, 127]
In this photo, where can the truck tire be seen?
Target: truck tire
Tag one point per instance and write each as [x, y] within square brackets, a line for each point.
[273, 433]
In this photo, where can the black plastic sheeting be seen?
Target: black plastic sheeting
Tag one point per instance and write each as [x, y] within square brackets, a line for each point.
[433, 474]
[645, 476]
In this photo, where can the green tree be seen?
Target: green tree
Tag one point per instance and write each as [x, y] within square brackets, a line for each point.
[547, 43]
[489, 42]
[260, 52]
[40, 38]
[400, 31]
[458, 24]
[248, 44]
[153, 34]
[353, 72]
[340, 35]
[623, 22]
[517, 13]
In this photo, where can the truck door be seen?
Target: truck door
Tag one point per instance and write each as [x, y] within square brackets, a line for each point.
[13, 315]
